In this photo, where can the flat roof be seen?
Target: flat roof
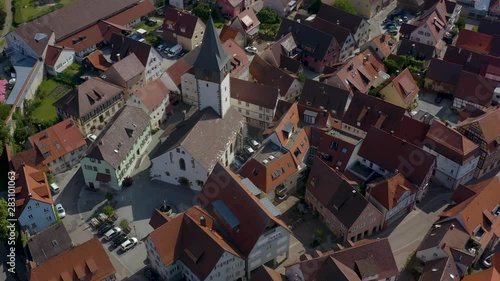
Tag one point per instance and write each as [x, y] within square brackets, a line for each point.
[344, 136]
[23, 69]
[270, 207]
[268, 150]
[249, 184]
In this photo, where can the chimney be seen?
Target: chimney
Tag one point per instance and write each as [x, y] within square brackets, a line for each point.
[396, 171]
[203, 221]
[392, 132]
[118, 57]
[338, 22]
[452, 227]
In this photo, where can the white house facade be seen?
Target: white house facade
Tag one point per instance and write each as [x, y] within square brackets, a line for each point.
[154, 65]
[272, 244]
[65, 59]
[189, 89]
[450, 173]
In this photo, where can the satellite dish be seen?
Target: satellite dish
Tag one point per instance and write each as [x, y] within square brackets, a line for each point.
[12, 81]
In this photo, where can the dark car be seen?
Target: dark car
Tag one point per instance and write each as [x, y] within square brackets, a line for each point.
[438, 99]
[104, 228]
[119, 240]
[151, 274]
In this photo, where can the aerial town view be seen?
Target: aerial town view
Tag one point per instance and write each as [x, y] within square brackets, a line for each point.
[250, 140]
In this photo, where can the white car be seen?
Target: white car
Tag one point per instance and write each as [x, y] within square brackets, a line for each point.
[248, 149]
[60, 211]
[255, 144]
[161, 47]
[92, 137]
[251, 49]
[112, 233]
[487, 261]
[128, 244]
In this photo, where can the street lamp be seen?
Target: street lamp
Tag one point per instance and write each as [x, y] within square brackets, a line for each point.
[135, 231]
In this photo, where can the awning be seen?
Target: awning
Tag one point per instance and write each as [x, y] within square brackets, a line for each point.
[104, 178]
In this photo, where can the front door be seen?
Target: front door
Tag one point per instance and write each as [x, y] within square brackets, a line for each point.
[91, 185]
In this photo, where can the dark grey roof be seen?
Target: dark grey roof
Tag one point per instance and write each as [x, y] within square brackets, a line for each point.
[344, 19]
[489, 26]
[124, 46]
[119, 136]
[321, 95]
[212, 55]
[443, 71]
[49, 243]
[196, 132]
[126, 69]
[419, 50]
[312, 41]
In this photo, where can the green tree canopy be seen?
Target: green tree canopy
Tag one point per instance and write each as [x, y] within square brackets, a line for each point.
[345, 5]
[268, 16]
[4, 231]
[202, 10]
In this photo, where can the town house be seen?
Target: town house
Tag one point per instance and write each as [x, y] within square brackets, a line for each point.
[153, 98]
[359, 27]
[128, 73]
[182, 28]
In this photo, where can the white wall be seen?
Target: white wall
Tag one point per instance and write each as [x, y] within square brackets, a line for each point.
[270, 245]
[425, 37]
[68, 160]
[166, 168]
[347, 49]
[214, 95]
[153, 67]
[294, 91]
[157, 115]
[363, 33]
[229, 267]
[39, 213]
[450, 173]
[259, 116]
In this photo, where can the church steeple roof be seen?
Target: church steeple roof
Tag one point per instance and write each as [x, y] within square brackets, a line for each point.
[212, 55]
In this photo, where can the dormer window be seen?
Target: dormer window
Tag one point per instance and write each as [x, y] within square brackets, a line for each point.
[479, 232]
[496, 210]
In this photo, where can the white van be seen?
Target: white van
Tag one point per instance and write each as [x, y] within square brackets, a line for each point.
[55, 188]
[174, 51]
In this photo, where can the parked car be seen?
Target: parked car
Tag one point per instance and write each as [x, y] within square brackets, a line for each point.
[112, 233]
[389, 24]
[60, 211]
[54, 188]
[251, 49]
[104, 228]
[487, 261]
[118, 240]
[128, 244]
[393, 32]
[253, 143]
[174, 51]
[161, 47]
[400, 22]
[405, 19]
[91, 137]
[248, 149]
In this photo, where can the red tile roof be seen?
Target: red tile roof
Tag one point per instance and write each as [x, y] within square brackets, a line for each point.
[474, 41]
[254, 219]
[365, 111]
[98, 61]
[142, 8]
[335, 147]
[101, 31]
[31, 184]
[58, 140]
[370, 258]
[440, 270]
[489, 274]
[239, 59]
[254, 93]
[385, 44]
[487, 123]
[264, 273]
[264, 73]
[228, 33]
[78, 263]
[445, 235]
[30, 157]
[158, 218]
[412, 130]
[198, 246]
[393, 153]
[152, 94]
[182, 23]
[248, 19]
[176, 70]
[388, 191]
[448, 142]
[53, 53]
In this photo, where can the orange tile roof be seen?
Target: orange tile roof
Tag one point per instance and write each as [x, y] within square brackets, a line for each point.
[388, 191]
[77, 264]
[478, 201]
[488, 123]
[58, 140]
[31, 184]
[474, 41]
[52, 54]
[450, 143]
[385, 44]
[142, 8]
[98, 61]
[405, 85]
[228, 33]
[198, 247]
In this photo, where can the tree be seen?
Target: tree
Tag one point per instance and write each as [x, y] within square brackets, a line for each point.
[314, 8]
[268, 16]
[109, 196]
[461, 23]
[345, 5]
[124, 223]
[202, 10]
[108, 210]
[392, 66]
[5, 136]
[4, 213]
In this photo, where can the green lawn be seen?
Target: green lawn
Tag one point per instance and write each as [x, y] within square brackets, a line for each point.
[27, 10]
[148, 28]
[48, 93]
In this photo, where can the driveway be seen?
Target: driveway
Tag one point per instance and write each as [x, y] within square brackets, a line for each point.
[406, 235]
[376, 21]
[442, 110]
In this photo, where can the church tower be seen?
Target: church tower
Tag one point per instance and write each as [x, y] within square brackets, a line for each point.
[211, 70]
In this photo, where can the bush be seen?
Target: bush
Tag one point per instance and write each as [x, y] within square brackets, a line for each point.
[202, 10]
[108, 210]
[50, 178]
[392, 66]
[124, 223]
[268, 16]
[345, 5]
